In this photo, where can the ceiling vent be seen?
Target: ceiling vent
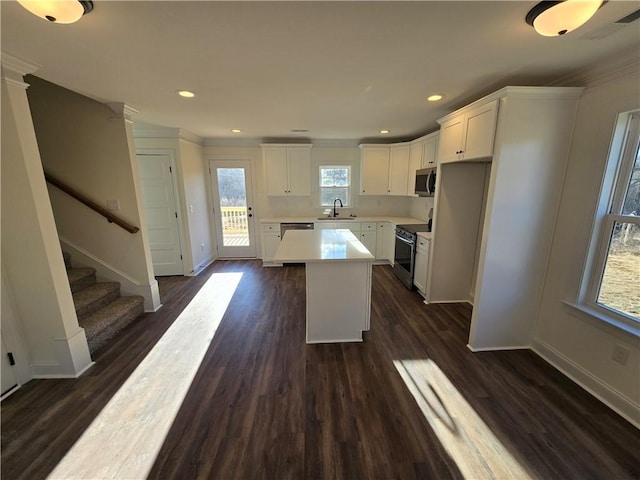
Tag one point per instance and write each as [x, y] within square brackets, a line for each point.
[632, 17]
[616, 26]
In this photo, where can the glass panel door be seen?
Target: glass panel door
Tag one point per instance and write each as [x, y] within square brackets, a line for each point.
[231, 182]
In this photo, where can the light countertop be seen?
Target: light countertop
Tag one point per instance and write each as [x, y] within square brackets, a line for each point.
[425, 235]
[303, 246]
[363, 219]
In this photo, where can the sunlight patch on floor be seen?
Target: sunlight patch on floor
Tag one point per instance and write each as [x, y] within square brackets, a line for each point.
[125, 438]
[478, 453]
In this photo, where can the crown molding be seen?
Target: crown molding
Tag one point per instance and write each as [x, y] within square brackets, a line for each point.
[626, 63]
[122, 110]
[14, 69]
[145, 130]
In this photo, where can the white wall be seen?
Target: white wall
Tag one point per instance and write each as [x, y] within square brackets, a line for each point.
[33, 267]
[194, 180]
[88, 146]
[576, 343]
[310, 206]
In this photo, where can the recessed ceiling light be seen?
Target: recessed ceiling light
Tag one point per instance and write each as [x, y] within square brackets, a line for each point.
[435, 98]
[236, 130]
[186, 93]
[384, 131]
[299, 130]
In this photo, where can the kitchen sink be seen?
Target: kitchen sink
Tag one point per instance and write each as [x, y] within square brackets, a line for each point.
[333, 219]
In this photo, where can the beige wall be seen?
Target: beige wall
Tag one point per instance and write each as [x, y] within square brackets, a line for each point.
[581, 345]
[88, 146]
[33, 269]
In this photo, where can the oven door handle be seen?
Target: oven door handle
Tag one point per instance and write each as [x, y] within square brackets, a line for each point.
[408, 242]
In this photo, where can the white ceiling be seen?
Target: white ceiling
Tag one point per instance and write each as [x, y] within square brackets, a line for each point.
[342, 70]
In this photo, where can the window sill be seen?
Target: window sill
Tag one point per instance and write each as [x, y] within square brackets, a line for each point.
[603, 317]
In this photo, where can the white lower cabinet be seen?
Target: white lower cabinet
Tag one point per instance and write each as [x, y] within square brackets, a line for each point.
[270, 240]
[421, 265]
[385, 242]
[368, 239]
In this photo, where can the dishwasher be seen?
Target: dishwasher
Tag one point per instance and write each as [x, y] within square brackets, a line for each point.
[294, 226]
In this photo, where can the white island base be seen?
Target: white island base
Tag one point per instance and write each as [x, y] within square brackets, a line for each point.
[338, 301]
[338, 282]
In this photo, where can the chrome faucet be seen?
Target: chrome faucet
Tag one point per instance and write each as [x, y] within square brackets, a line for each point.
[335, 214]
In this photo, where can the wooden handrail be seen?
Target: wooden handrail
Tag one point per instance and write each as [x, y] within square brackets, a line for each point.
[90, 203]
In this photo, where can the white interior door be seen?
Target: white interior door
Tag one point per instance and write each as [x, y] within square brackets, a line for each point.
[233, 208]
[9, 378]
[161, 212]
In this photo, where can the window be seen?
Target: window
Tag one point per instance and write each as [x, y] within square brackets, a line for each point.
[615, 289]
[335, 182]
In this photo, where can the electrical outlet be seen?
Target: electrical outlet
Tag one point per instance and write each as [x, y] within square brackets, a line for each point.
[620, 354]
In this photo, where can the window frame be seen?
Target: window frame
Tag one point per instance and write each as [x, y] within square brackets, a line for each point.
[321, 188]
[622, 157]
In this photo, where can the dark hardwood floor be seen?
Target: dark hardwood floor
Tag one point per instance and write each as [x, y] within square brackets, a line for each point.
[264, 405]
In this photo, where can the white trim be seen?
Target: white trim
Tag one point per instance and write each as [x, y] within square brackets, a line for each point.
[597, 318]
[129, 285]
[624, 406]
[17, 65]
[122, 110]
[10, 391]
[499, 349]
[202, 266]
[50, 370]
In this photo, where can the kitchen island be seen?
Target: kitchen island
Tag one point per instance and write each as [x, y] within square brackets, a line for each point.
[338, 282]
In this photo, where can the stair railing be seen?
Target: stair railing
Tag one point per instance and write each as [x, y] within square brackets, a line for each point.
[90, 203]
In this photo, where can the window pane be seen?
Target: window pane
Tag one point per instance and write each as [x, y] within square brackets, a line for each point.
[620, 287]
[334, 177]
[330, 194]
[632, 198]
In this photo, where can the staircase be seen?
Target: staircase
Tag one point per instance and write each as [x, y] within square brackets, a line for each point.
[100, 308]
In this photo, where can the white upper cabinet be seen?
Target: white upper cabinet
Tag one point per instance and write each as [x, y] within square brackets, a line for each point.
[374, 170]
[469, 134]
[287, 169]
[423, 154]
[430, 150]
[399, 169]
[384, 169]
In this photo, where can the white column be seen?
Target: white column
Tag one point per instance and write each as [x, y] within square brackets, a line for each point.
[31, 255]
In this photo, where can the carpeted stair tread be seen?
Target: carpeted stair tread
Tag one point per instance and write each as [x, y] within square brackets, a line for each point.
[104, 324]
[95, 296]
[80, 278]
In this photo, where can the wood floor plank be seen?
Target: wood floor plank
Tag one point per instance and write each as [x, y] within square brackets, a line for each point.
[402, 404]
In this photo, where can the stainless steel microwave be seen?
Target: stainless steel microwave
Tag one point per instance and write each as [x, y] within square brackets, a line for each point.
[426, 182]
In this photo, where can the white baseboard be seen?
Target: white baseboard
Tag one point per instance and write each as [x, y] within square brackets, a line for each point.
[500, 348]
[202, 266]
[52, 370]
[104, 271]
[622, 405]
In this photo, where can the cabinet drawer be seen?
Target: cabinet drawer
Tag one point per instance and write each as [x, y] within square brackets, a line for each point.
[271, 227]
[368, 227]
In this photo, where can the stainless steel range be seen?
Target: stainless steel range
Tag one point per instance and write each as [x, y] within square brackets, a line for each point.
[405, 251]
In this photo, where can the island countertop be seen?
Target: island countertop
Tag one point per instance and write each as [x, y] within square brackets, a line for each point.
[327, 245]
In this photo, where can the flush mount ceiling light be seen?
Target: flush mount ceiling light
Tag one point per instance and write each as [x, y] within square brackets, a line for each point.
[58, 11]
[553, 18]
[384, 131]
[435, 98]
[186, 93]
[236, 130]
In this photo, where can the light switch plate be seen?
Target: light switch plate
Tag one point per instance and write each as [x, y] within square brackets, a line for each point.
[113, 205]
